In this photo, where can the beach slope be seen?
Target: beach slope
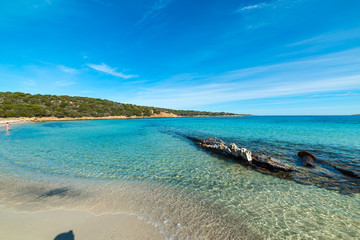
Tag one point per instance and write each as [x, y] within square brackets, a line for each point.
[46, 225]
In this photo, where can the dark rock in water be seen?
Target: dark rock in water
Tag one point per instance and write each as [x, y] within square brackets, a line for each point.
[244, 155]
[347, 172]
[308, 158]
[271, 163]
[322, 176]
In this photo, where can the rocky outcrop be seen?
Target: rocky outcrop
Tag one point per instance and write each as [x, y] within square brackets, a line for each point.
[268, 165]
[308, 158]
[242, 154]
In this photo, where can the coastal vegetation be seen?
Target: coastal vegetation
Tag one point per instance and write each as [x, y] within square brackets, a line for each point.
[18, 104]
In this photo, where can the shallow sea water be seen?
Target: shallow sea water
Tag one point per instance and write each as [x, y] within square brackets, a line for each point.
[148, 167]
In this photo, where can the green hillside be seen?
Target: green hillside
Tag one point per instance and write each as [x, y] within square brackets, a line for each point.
[19, 104]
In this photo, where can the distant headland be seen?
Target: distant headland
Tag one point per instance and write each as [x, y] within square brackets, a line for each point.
[52, 107]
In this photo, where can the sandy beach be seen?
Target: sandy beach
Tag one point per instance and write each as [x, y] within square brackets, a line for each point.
[21, 120]
[49, 119]
[15, 120]
[46, 225]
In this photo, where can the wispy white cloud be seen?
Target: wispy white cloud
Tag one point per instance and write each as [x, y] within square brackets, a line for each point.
[330, 37]
[67, 69]
[317, 97]
[325, 74]
[43, 78]
[154, 10]
[207, 94]
[250, 7]
[260, 15]
[109, 70]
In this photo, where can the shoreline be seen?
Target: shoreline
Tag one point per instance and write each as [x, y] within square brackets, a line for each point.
[26, 214]
[83, 224]
[19, 120]
[102, 210]
[49, 119]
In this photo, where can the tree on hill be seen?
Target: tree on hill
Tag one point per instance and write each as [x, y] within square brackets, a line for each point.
[19, 104]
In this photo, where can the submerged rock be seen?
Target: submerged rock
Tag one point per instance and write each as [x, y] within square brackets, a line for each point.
[242, 154]
[268, 165]
[308, 158]
[347, 172]
[271, 163]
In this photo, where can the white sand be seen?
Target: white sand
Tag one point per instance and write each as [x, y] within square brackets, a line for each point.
[22, 120]
[13, 122]
[3, 121]
[47, 225]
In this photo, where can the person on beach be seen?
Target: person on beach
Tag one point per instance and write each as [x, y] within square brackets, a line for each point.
[7, 126]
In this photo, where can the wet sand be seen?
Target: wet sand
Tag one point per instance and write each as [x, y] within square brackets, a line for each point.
[47, 225]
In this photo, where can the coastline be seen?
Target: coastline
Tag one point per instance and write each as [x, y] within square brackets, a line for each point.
[20, 120]
[83, 224]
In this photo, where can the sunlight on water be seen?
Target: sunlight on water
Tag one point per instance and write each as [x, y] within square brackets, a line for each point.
[145, 167]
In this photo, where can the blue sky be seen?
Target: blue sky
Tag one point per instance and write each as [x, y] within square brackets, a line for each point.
[279, 57]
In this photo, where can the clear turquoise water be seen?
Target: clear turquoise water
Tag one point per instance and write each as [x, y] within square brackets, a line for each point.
[110, 165]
